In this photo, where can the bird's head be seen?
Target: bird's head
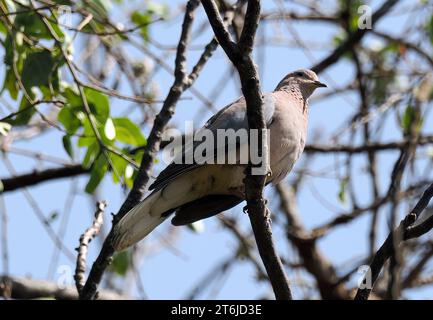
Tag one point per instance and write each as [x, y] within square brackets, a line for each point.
[304, 80]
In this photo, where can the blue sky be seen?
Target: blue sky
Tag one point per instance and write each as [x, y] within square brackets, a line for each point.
[170, 273]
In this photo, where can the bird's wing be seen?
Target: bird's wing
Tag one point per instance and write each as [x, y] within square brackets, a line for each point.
[232, 116]
[204, 208]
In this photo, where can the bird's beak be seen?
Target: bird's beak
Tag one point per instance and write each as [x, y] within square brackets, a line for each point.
[320, 84]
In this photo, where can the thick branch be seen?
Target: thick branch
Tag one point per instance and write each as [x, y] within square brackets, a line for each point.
[258, 213]
[251, 23]
[35, 177]
[24, 288]
[222, 34]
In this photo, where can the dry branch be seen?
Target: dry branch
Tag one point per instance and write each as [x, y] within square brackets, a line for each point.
[85, 239]
[240, 56]
[405, 231]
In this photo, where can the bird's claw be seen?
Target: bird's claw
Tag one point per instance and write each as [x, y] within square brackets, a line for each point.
[245, 209]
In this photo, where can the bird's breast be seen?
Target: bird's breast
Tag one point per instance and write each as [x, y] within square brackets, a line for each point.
[287, 141]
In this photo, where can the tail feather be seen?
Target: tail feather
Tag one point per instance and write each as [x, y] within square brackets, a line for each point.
[136, 224]
[185, 189]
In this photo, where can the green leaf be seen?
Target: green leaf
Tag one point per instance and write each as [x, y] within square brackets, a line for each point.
[10, 50]
[128, 132]
[5, 128]
[109, 129]
[53, 216]
[69, 119]
[88, 137]
[38, 69]
[67, 145]
[407, 118]
[138, 157]
[145, 17]
[142, 19]
[31, 24]
[3, 28]
[2, 187]
[121, 262]
[99, 168]
[100, 8]
[10, 84]
[91, 153]
[56, 28]
[98, 103]
[342, 192]
[119, 166]
[26, 112]
[72, 97]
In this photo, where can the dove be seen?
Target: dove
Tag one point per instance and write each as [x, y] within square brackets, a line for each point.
[189, 192]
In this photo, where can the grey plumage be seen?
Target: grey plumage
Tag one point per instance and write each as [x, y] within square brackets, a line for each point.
[197, 191]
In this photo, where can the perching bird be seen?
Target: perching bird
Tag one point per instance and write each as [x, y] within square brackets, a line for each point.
[196, 191]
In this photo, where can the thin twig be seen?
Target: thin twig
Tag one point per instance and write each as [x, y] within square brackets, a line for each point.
[85, 239]
[406, 230]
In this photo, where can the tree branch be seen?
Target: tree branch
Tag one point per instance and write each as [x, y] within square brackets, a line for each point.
[367, 147]
[240, 56]
[222, 34]
[24, 288]
[353, 39]
[282, 15]
[182, 82]
[405, 43]
[85, 239]
[35, 177]
[313, 259]
[405, 231]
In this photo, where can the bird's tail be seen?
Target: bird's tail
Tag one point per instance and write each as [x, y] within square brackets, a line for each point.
[138, 223]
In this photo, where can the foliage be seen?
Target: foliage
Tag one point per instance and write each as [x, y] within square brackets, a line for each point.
[38, 58]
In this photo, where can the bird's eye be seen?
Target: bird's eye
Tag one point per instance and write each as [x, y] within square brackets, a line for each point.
[299, 74]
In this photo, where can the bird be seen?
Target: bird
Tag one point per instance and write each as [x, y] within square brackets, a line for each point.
[194, 191]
